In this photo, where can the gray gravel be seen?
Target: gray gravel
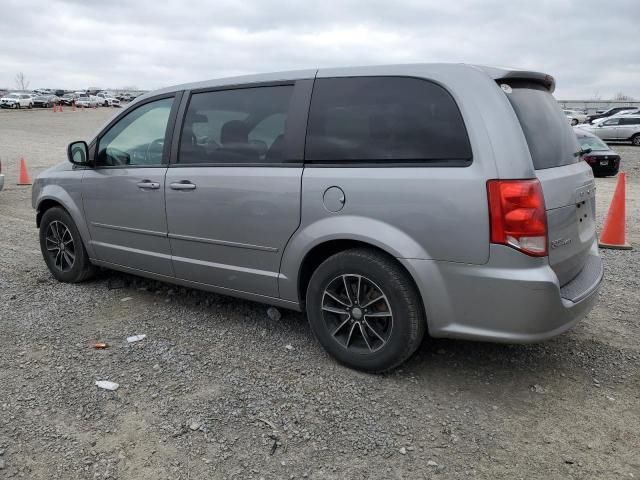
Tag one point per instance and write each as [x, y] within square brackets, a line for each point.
[221, 389]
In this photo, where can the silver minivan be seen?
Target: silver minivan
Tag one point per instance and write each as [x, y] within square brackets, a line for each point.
[386, 202]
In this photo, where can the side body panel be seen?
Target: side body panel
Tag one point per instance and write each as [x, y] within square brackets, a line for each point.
[421, 212]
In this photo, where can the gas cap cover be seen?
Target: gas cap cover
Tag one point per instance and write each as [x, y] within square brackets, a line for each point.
[334, 199]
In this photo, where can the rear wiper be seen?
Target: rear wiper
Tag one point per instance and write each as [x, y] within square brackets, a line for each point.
[582, 151]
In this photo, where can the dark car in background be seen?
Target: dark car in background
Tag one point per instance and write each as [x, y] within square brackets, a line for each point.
[45, 101]
[68, 99]
[602, 160]
[607, 113]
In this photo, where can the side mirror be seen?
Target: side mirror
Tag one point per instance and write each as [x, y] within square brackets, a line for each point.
[78, 153]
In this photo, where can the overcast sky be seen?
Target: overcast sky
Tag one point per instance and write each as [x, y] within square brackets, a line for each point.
[592, 47]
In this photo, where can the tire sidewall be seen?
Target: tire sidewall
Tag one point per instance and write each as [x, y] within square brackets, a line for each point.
[81, 261]
[395, 350]
[635, 140]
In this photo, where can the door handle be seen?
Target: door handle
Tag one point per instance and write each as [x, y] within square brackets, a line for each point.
[183, 185]
[148, 185]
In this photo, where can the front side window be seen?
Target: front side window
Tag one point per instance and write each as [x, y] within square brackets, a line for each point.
[382, 119]
[613, 121]
[137, 138]
[245, 125]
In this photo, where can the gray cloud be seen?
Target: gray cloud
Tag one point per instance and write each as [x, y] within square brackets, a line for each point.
[590, 46]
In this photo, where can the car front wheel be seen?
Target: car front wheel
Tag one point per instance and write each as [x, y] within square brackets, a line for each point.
[365, 310]
[635, 140]
[62, 247]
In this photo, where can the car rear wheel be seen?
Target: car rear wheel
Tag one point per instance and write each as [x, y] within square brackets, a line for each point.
[635, 140]
[365, 310]
[574, 122]
[62, 247]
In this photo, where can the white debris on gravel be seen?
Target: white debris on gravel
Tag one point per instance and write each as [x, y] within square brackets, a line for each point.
[136, 338]
[107, 385]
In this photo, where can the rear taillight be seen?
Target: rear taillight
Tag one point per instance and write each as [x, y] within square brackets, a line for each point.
[517, 215]
[589, 159]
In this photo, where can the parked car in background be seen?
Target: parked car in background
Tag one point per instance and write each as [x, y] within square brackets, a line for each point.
[622, 128]
[602, 159]
[16, 100]
[575, 116]
[607, 113]
[47, 101]
[372, 276]
[87, 101]
[107, 99]
[68, 98]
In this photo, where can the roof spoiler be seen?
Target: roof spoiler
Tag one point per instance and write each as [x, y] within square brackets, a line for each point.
[507, 74]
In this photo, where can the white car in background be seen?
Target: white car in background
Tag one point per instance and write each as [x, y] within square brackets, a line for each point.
[107, 99]
[575, 116]
[16, 100]
[87, 101]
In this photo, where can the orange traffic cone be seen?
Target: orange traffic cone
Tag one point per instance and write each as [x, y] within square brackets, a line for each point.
[24, 175]
[613, 234]
[60, 108]
[55, 108]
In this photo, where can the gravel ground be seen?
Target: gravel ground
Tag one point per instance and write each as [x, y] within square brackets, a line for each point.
[220, 390]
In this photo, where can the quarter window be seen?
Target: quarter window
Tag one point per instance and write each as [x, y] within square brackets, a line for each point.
[380, 119]
[137, 138]
[630, 121]
[245, 125]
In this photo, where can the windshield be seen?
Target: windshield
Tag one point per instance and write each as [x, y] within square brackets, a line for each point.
[13, 95]
[595, 144]
[551, 140]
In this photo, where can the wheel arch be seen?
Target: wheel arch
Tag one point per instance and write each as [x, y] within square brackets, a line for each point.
[55, 196]
[302, 257]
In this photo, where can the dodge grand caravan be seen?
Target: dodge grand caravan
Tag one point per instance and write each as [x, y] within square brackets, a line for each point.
[386, 202]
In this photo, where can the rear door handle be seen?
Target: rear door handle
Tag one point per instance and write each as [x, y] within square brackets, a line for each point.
[182, 185]
[148, 185]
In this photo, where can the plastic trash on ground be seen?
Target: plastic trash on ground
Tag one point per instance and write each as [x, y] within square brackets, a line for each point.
[107, 385]
[136, 338]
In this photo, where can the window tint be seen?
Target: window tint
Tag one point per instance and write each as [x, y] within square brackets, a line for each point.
[613, 121]
[551, 141]
[244, 125]
[138, 138]
[370, 119]
[630, 121]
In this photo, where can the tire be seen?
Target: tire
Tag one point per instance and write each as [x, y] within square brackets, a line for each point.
[17, 106]
[396, 323]
[30, 106]
[635, 140]
[574, 122]
[105, 104]
[79, 268]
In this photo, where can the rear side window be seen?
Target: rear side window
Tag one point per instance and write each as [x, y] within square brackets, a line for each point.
[245, 125]
[630, 121]
[382, 119]
[551, 140]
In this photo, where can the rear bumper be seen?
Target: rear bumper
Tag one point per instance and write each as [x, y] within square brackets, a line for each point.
[513, 298]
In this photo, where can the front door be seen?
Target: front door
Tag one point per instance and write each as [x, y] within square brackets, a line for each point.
[124, 196]
[233, 195]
